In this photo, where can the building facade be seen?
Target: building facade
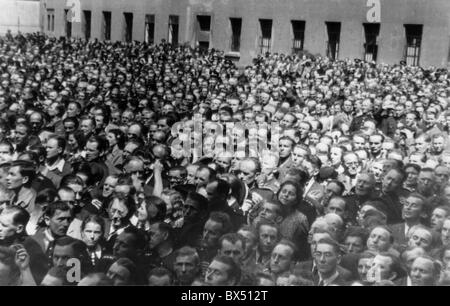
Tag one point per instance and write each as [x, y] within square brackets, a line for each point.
[416, 31]
[19, 15]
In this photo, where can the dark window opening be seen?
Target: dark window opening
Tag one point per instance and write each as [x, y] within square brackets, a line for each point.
[203, 32]
[236, 27]
[107, 25]
[298, 29]
[149, 29]
[334, 36]
[413, 42]
[128, 30]
[173, 30]
[371, 32]
[204, 23]
[266, 35]
[87, 24]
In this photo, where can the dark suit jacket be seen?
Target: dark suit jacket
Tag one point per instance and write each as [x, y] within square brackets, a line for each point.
[305, 269]
[398, 232]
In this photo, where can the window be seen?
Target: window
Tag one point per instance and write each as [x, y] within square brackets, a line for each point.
[265, 41]
[50, 20]
[203, 31]
[173, 30]
[236, 26]
[149, 29]
[298, 29]
[68, 24]
[128, 27]
[413, 41]
[371, 32]
[87, 24]
[334, 36]
[106, 26]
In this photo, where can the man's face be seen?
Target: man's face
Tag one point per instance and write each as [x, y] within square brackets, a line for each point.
[412, 209]
[118, 213]
[217, 274]
[211, 234]
[7, 226]
[119, 275]
[383, 264]
[124, 246]
[233, 250]
[437, 218]
[354, 245]
[52, 148]
[91, 234]
[61, 254]
[375, 144]
[247, 172]
[287, 121]
[364, 265]
[298, 155]
[86, 126]
[438, 145]
[359, 143]
[336, 156]
[5, 155]
[35, 122]
[421, 238]
[422, 272]
[108, 186]
[202, 178]
[441, 174]
[14, 179]
[391, 181]
[268, 238]
[336, 206]
[163, 126]
[379, 240]
[285, 148]
[425, 182]
[364, 185]
[20, 134]
[269, 212]
[351, 164]
[92, 152]
[411, 176]
[445, 233]
[281, 259]
[59, 223]
[304, 130]
[186, 269]
[325, 258]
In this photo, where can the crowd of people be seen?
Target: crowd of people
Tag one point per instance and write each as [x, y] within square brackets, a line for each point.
[133, 164]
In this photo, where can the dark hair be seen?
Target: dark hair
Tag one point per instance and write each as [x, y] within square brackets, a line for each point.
[234, 271]
[79, 248]
[54, 206]
[160, 272]
[222, 218]
[102, 142]
[120, 137]
[21, 215]
[61, 142]
[27, 169]
[356, 231]
[94, 219]
[232, 238]
[160, 206]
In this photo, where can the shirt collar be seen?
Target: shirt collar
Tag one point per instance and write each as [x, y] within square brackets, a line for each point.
[331, 279]
[59, 166]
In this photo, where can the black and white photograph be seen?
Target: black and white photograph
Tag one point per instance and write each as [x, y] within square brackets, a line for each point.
[224, 143]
